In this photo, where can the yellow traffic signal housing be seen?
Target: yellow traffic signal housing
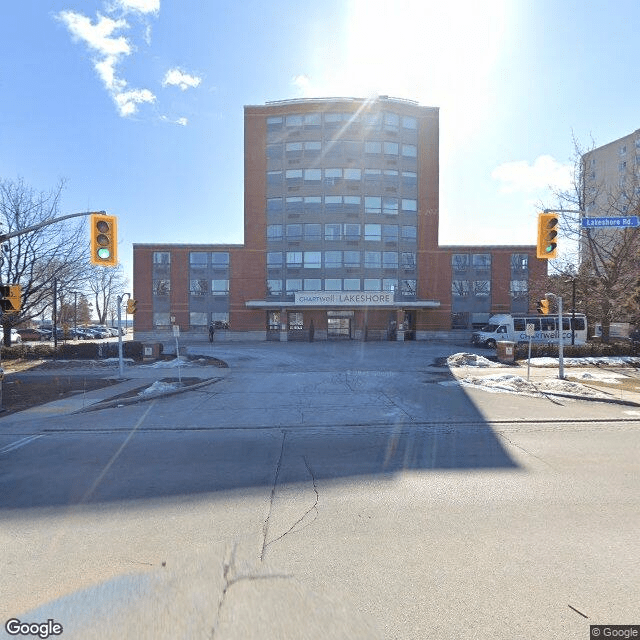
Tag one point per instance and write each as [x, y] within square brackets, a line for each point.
[104, 240]
[547, 233]
[543, 307]
[10, 298]
[131, 306]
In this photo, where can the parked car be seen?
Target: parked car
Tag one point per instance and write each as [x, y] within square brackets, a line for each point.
[16, 338]
[29, 335]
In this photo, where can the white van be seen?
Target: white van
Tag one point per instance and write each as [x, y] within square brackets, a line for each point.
[513, 328]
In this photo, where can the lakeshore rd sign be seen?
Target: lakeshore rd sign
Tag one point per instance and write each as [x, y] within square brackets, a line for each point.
[631, 221]
[345, 298]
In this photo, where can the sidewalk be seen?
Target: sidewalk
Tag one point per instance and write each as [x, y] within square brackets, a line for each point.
[146, 378]
[610, 383]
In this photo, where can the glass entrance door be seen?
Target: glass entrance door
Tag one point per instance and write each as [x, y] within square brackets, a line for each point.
[339, 327]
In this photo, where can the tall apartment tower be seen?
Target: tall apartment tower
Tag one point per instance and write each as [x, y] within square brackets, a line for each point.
[343, 196]
[611, 188]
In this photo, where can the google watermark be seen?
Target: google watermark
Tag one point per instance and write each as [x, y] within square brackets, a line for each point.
[615, 631]
[46, 629]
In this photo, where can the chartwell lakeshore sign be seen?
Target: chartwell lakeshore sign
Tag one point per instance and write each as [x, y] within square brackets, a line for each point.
[344, 298]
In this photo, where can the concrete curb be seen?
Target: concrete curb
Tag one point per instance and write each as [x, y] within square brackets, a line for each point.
[118, 402]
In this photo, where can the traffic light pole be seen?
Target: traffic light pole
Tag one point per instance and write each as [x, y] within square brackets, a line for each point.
[560, 338]
[119, 300]
[46, 223]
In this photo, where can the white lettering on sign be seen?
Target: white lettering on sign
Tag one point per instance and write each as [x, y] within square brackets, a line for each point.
[344, 298]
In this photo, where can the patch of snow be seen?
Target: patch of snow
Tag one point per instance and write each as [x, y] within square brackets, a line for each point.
[470, 360]
[159, 387]
[168, 364]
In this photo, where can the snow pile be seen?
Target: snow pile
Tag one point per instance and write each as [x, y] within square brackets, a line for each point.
[159, 387]
[609, 377]
[509, 383]
[168, 364]
[470, 360]
[591, 361]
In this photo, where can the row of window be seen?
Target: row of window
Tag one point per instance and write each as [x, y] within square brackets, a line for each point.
[388, 121]
[339, 259]
[313, 232]
[464, 261]
[220, 320]
[376, 205]
[482, 288]
[335, 176]
[289, 286]
[197, 287]
[215, 259]
[334, 148]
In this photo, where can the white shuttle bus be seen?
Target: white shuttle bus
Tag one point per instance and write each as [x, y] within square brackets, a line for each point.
[513, 328]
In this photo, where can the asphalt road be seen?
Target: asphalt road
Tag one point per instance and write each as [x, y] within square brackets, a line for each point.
[325, 491]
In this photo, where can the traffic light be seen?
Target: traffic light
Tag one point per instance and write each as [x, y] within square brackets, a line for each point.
[131, 306]
[104, 240]
[10, 298]
[547, 232]
[543, 307]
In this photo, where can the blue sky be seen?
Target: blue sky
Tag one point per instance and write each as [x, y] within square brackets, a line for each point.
[138, 104]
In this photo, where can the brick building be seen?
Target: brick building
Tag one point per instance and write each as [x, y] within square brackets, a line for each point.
[341, 237]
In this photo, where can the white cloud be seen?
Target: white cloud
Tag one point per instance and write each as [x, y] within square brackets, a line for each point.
[97, 36]
[128, 101]
[181, 121]
[521, 176]
[141, 6]
[177, 77]
[110, 50]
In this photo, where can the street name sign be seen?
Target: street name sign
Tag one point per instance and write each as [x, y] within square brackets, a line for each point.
[630, 221]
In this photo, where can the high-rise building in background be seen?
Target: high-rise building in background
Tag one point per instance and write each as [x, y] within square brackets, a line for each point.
[341, 217]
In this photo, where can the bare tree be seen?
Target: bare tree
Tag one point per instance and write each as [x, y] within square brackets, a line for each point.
[105, 284]
[604, 265]
[34, 259]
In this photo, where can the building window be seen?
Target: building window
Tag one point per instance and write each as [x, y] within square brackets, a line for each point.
[198, 287]
[198, 259]
[274, 287]
[274, 259]
[519, 289]
[390, 259]
[408, 260]
[294, 259]
[409, 204]
[389, 284]
[161, 287]
[332, 231]
[294, 232]
[481, 260]
[351, 284]
[351, 259]
[294, 204]
[409, 232]
[312, 204]
[274, 232]
[372, 260]
[352, 204]
[391, 122]
[352, 174]
[220, 287]
[220, 319]
[198, 319]
[312, 176]
[519, 262]
[373, 204]
[296, 320]
[409, 123]
[274, 205]
[372, 284]
[312, 259]
[409, 179]
[274, 151]
[460, 288]
[332, 259]
[161, 257]
[312, 121]
[312, 284]
[219, 260]
[274, 123]
[481, 288]
[390, 233]
[273, 320]
[313, 232]
[333, 204]
[390, 206]
[161, 320]
[460, 261]
[293, 149]
[391, 149]
[294, 120]
[274, 178]
[293, 176]
[293, 285]
[333, 284]
[352, 232]
[332, 177]
[408, 288]
[409, 151]
[373, 232]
